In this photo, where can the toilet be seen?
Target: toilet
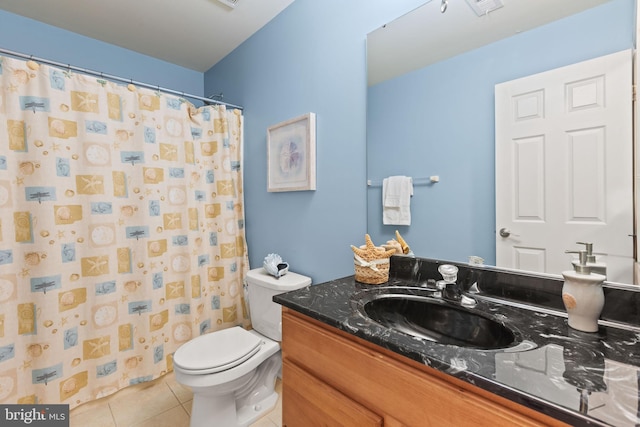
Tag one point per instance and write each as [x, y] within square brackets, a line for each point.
[232, 372]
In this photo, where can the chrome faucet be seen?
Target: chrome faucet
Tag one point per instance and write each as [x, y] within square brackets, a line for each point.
[449, 289]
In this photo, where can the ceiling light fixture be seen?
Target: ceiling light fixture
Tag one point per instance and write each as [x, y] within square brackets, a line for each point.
[231, 3]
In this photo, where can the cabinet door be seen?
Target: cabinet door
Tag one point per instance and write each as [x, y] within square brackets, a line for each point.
[402, 394]
[308, 402]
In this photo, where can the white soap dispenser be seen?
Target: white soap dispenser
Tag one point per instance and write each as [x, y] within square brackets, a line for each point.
[582, 295]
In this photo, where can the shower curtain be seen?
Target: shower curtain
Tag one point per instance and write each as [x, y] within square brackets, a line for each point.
[121, 232]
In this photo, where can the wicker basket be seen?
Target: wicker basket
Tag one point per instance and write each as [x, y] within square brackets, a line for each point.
[373, 272]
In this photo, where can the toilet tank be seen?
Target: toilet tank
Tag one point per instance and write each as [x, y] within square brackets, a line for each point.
[266, 315]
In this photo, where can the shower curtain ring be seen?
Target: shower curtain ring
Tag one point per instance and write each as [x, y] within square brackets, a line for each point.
[33, 65]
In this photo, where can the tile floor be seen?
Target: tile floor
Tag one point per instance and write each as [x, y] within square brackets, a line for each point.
[159, 403]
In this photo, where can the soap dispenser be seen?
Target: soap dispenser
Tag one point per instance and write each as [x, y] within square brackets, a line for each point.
[595, 266]
[582, 295]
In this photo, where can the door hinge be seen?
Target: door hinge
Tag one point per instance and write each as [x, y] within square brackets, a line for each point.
[633, 93]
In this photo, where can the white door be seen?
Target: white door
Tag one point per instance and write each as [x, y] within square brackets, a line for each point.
[564, 167]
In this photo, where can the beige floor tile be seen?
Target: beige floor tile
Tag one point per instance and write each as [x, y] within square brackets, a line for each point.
[160, 403]
[176, 417]
[182, 393]
[276, 414]
[94, 414]
[142, 402]
[187, 406]
[264, 422]
[91, 406]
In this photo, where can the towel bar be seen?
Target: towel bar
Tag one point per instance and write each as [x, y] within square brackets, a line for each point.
[416, 181]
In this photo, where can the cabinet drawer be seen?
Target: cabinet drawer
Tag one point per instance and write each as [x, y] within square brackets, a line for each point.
[308, 402]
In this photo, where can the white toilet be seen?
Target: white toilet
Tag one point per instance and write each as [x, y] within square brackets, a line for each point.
[232, 372]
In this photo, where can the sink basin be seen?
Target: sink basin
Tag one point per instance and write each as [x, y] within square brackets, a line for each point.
[435, 320]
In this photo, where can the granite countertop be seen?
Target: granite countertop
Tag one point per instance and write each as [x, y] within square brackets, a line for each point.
[579, 378]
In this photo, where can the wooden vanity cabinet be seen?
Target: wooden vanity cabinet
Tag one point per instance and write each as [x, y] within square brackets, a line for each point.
[331, 378]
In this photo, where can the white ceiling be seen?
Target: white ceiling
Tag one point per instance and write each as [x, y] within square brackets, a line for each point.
[427, 36]
[195, 34]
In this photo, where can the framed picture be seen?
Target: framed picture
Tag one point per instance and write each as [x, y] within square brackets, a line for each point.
[291, 155]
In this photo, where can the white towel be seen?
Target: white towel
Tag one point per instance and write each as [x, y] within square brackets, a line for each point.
[396, 200]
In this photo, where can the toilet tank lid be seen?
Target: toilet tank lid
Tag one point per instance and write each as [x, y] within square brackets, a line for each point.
[288, 282]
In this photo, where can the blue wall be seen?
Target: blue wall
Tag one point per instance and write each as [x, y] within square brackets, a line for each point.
[440, 121]
[23, 35]
[310, 58]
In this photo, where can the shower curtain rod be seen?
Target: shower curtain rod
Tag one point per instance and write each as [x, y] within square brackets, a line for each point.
[116, 78]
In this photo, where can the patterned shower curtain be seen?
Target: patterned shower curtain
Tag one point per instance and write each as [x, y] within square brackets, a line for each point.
[121, 232]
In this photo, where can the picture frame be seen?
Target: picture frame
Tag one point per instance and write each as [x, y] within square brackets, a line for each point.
[291, 154]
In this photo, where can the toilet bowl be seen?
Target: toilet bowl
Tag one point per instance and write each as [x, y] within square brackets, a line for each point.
[232, 372]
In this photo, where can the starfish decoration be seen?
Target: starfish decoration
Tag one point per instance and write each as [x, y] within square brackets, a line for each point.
[99, 347]
[91, 183]
[403, 244]
[97, 265]
[371, 252]
[87, 102]
[175, 289]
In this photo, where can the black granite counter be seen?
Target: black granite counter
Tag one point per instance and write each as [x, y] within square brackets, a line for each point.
[579, 378]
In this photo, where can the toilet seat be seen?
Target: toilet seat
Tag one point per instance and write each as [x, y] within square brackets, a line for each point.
[217, 351]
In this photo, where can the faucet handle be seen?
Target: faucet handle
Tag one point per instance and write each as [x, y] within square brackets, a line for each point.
[449, 273]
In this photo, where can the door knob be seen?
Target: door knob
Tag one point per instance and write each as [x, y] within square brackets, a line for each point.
[505, 232]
